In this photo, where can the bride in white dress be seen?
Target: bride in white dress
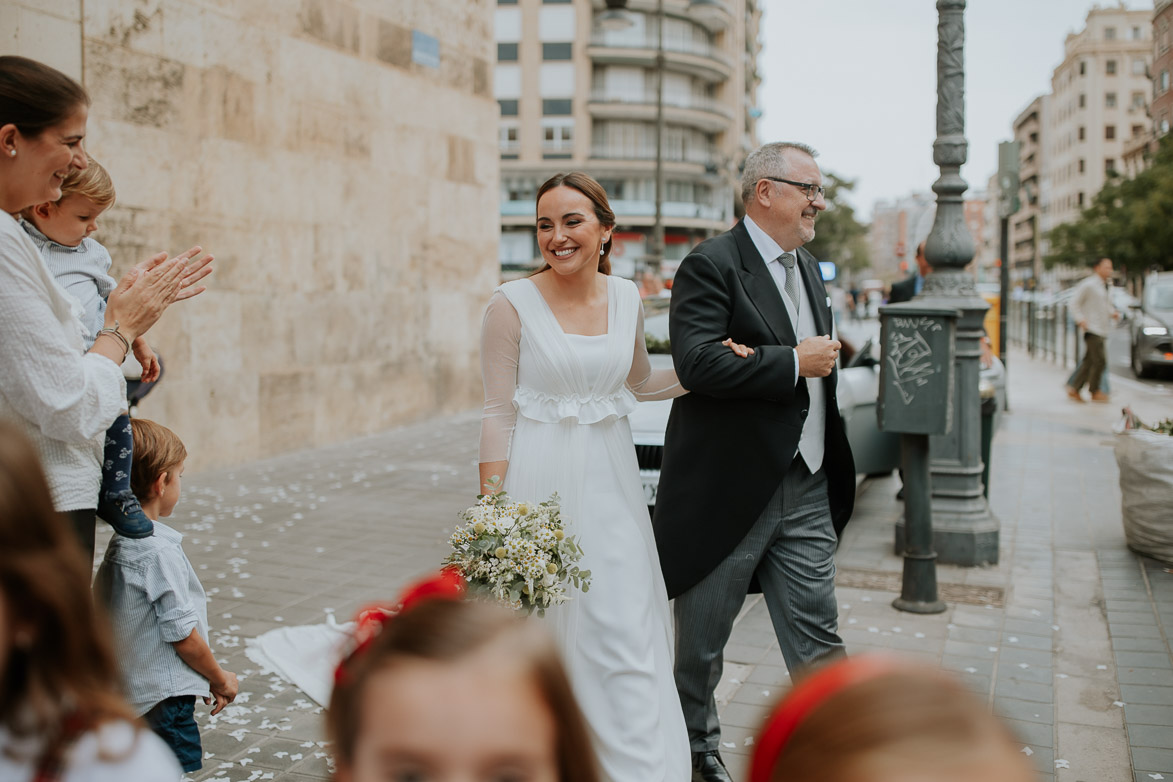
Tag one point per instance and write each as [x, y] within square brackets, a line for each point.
[564, 361]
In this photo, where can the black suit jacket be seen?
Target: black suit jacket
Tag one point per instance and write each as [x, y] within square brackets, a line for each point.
[731, 439]
[903, 290]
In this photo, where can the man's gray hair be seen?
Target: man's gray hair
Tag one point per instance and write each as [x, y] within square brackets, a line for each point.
[766, 161]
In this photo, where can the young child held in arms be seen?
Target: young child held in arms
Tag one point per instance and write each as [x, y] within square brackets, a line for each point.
[158, 608]
[450, 690]
[61, 230]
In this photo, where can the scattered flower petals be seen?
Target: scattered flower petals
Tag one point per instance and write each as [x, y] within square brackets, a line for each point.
[1027, 751]
[1061, 763]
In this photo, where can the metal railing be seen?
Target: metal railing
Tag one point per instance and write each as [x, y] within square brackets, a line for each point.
[1045, 330]
[693, 102]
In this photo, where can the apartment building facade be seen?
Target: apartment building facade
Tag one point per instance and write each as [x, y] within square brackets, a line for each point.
[576, 95]
[1026, 236]
[1162, 69]
[1100, 95]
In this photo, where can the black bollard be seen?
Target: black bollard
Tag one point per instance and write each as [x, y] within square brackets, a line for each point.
[918, 593]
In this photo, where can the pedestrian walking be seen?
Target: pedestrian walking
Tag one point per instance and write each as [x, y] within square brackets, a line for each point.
[757, 477]
[1091, 308]
[445, 689]
[906, 289]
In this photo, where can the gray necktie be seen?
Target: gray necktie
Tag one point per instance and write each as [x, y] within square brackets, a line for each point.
[788, 260]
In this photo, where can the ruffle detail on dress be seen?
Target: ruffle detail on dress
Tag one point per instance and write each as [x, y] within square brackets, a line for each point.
[552, 409]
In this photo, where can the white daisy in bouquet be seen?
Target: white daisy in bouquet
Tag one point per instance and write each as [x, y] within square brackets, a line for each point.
[518, 553]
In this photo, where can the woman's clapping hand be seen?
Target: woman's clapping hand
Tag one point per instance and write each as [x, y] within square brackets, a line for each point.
[146, 291]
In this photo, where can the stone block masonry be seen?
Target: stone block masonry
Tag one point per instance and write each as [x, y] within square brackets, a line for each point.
[338, 158]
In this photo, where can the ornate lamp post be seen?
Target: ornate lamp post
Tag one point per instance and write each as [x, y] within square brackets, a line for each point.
[965, 532]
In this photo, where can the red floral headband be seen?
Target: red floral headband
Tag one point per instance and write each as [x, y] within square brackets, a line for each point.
[445, 585]
[807, 696]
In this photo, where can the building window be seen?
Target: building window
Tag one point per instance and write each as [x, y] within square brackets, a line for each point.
[1138, 100]
[1082, 100]
[1137, 131]
[1080, 201]
[1109, 33]
[555, 51]
[1082, 133]
[1138, 67]
[1082, 67]
[557, 2]
[508, 108]
[1110, 67]
[1109, 132]
[557, 108]
[1136, 34]
[557, 139]
[506, 2]
[1164, 124]
[1081, 165]
[506, 52]
[1110, 100]
[508, 141]
[1164, 81]
[1109, 166]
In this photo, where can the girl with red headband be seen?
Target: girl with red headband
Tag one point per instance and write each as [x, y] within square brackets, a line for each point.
[876, 719]
[445, 689]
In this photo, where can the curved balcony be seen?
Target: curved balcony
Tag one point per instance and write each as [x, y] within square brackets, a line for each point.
[696, 58]
[705, 114]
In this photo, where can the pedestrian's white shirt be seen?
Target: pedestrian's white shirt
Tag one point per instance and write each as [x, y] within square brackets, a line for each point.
[811, 442]
[116, 752]
[1091, 304]
[63, 398]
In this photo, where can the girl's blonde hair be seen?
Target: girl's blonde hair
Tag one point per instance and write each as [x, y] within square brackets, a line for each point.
[448, 630]
[157, 450]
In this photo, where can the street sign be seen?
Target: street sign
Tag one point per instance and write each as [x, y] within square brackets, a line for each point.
[1008, 202]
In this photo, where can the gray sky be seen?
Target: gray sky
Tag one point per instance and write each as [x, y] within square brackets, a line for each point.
[857, 80]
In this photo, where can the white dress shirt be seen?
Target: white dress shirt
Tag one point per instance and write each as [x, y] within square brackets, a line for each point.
[811, 442]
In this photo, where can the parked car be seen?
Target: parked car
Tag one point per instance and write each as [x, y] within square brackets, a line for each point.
[1152, 326]
[875, 452]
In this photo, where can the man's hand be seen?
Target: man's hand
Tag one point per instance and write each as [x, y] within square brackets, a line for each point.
[816, 356]
[223, 691]
[146, 359]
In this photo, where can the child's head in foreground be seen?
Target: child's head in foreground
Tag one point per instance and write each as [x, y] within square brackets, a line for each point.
[875, 719]
[452, 689]
[85, 194]
[159, 457]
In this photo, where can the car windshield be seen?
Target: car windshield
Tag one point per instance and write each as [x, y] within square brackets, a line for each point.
[1161, 297]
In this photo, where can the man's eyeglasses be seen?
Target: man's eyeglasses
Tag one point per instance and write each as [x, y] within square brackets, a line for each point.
[812, 191]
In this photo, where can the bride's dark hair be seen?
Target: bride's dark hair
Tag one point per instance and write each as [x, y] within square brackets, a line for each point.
[589, 187]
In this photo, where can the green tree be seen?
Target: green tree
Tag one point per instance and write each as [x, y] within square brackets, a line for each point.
[839, 237]
[1129, 221]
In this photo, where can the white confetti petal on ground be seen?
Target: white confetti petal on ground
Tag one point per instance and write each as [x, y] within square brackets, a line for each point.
[749, 741]
[1156, 776]
[846, 606]
[1060, 676]
[1101, 667]
[208, 756]
[873, 629]
[1061, 763]
[1023, 666]
[766, 693]
[252, 750]
[735, 681]
[245, 761]
[919, 635]
[992, 648]
[1027, 751]
[728, 744]
[1013, 639]
[866, 599]
[307, 743]
[278, 619]
[1119, 704]
[1055, 628]
[852, 620]
[971, 670]
[951, 626]
[280, 754]
[296, 756]
[1036, 612]
[897, 629]
[238, 734]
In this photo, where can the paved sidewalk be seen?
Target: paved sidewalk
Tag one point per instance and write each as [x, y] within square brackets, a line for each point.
[1068, 636]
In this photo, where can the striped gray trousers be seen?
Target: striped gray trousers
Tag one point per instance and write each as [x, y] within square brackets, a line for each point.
[790, 549]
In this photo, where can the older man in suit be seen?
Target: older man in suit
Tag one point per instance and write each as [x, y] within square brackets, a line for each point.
[757, 478]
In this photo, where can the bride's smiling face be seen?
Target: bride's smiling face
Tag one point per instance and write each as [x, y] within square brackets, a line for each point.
[569, 234]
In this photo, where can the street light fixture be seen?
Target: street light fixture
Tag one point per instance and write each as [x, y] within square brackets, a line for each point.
[616, 17]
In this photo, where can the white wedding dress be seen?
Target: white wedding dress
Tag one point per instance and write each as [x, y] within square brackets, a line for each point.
[556, 407]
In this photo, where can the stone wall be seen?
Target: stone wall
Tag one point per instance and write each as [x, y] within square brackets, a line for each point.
[348, 191]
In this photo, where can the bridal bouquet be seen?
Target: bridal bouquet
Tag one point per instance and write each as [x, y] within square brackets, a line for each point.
[517, 553]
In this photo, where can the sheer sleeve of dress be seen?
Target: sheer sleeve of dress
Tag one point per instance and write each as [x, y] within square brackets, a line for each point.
[646, 383]
[500, 347]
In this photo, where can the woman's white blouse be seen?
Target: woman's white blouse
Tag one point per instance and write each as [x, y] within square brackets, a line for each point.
[62, 397]
[116, 752]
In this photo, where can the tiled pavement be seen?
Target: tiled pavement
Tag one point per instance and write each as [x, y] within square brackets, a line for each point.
[1072, 645]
